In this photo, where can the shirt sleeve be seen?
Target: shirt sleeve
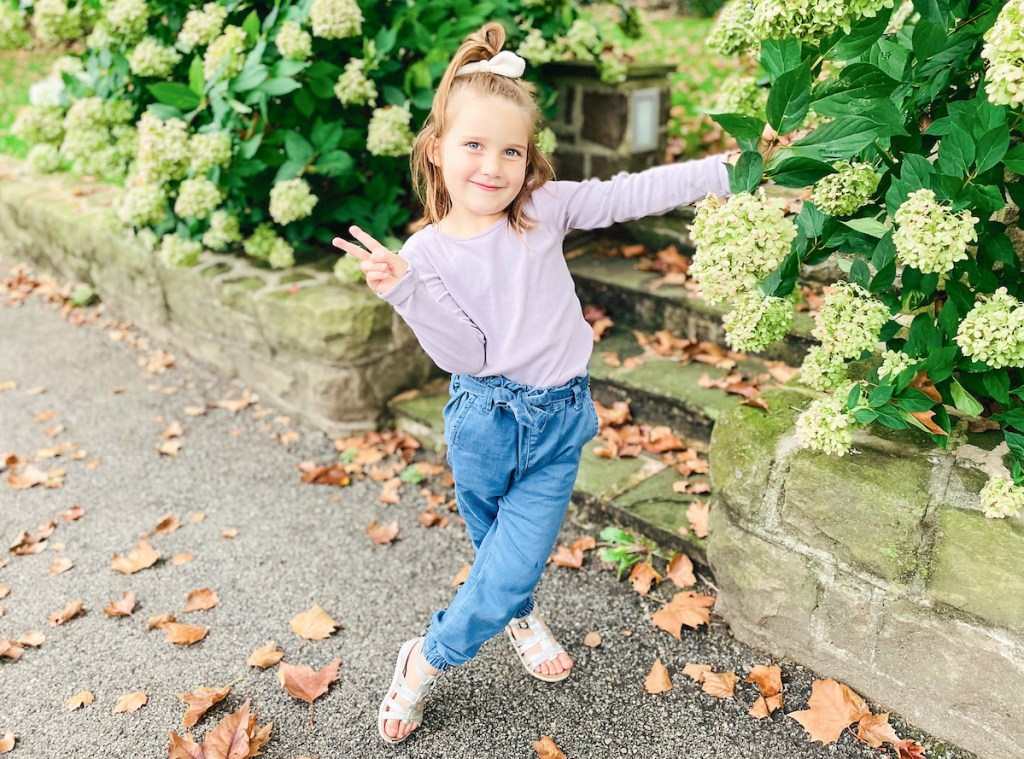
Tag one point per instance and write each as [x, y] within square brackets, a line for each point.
[594, 203]
[443, 329]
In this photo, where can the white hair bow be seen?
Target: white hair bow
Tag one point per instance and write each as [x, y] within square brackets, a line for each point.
[505, 63]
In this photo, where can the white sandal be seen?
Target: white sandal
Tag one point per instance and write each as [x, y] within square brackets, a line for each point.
[413, 710]
[548, 651]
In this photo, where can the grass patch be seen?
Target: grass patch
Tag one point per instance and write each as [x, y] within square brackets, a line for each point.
[18, 70]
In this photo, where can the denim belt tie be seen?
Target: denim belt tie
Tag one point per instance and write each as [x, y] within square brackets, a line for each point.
[528, 415]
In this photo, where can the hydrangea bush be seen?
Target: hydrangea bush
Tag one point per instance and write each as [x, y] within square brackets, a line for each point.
[912, 185]
[260, 127]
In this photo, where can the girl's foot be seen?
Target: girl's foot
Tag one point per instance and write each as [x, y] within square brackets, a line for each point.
[538, 650]
[402, 708]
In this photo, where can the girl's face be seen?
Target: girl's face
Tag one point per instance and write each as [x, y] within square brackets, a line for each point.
[483, 161]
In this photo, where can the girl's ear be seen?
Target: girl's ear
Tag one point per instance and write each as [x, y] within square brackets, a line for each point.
[434, 150]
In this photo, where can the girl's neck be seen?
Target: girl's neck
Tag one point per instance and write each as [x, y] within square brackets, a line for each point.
[455, 226]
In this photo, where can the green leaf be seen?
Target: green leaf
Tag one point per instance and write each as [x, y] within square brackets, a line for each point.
[799, 172]
[992, 147]
[860, 274]
[740, 126]
[297, 148]
[175, 94]
[789, 99]
[956, 152]
[278, 86]
[843, 46]
[880, 395]
[964, 401]
[1012, 418]
[1015, 443]
[891, 57]
[865, 415]
[249, 78]
[1014, 159]
[929, 38]
[334, 163]
[196, 78]
[913, 399]
[858, 81]
[249, 147]
[810, 220]
[997, 383]
[891, 418]
[779, 56]
[853, 398]
[936, 11]
[289, 170]
[745, 176]
[251, 26]
[868, 226]
[326, 134]
[843, 139]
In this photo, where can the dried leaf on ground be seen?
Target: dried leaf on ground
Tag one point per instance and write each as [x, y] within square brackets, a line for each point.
[567, 557]
[234, 737]
[159, 621]
[167, 525]
[686, 608]
[265, 656]
[229, 533]
[697, 671]
[72, 610]
[122, 607]
[169, 448]
[925, 418]
[7, 741]
[9, 649]
[200, 701]
[201, 599]
[764, 707]
[140, 557]
[29, 477]
[31, 638]
[382, 534]
[720, 684]
[909, 749]
[183, 635]
[644, 577]
[430, 518]
[833, 707]
[130, 702]
[305, 682]
[313, 624]
[680, 571]
[657, 680]
[181, 558]
[174, 429]
[697, 515]
[547, 749]
[767, 678]
[59, 565]
[79, 700]
[72, 513]
[874, 730]
[592, 640]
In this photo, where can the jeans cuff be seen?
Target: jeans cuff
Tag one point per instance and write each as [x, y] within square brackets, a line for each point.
[525, 609]
[433, 656]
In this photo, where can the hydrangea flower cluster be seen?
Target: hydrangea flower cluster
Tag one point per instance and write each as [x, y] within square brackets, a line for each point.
[581, 40]
[388, 133]
[811, 20]
[265, 244]
[152, 58]
[202, 27]
[336, 19]
[37, 124]
[826, 425]
[740, 94]
[126, 20]
[209, 149]
[47, 91]
[1001, 498]
[929, 236]
[894, 363]
[226, 54]
[739, 242]
[224, 230]
[55, 22]
[142, 204]
[353, 87]
[756, 322]
[98, 138]
[177, 251]
[850, 320]
[293, 41]
[1004, 52]
[163, 153]
[43, 158]
[822, 370]
[546, 141]
[991, 331]
[612, 67]
[347, 270]
[535, 49]
[197, 197]
[733, 32]
[13, 34]
[842, 193]
[291, 200]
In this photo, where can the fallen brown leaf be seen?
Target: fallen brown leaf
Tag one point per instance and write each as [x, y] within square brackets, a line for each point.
[122, 607]
[265, 656]
[313, 624]
[183, 635]
[643, 577]
[7, 742]
[909, 749]
[382, 534]
[592, 640]
[833, 707]
[140, 557]
[72, 610]
[305, 682]
[79, 700]
[200, 701]
[874, 730]
[697, 514]
[657, 680]
[201, 599]
[547, 749]
[720, 684]
[686, 608]
[59, 565]
[768, 679]
[697, 671]
[680, 571]
[130, 702]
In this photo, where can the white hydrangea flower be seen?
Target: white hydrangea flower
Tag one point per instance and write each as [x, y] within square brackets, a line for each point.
[67, 64]
[1004, 53]
[733, 32]
[282, 255]
[43, 158]
[756, 322]
[291, 200]
[224, 230]
[163, 153]
[47, 91]
[94, 139]
[13, 34]
[546, 141]
[39, 123]
[101, 38]
[202, 27]
[739, 93]
[152, 58]
[1001, 498]
[582, 40]
[225, 55]
[894, 363]
[293, 41]
[826, 425]
[127, 20]
[811, 20]
[347, 270]
[265, 244]
[929, 236]
[178, 251]
[55, 22]
[535, 49]
[850, 188]
[900, 16]
[993, 331]
[197, 197]
[612, 67]
[336, 19]
[142, 204]
[822, 370]
[209, 149]
[388, 133]
[849, 320]
[739, 242]
[353, 87]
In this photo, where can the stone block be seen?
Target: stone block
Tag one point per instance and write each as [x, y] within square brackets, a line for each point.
[605, 118]
[977, 566]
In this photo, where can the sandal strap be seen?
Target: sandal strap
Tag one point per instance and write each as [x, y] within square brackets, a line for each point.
[414, 697]
[549, 648]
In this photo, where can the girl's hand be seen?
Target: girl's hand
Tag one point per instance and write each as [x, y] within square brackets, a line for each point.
[382, 268]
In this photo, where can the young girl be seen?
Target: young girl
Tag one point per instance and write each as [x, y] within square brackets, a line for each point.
[485, 287]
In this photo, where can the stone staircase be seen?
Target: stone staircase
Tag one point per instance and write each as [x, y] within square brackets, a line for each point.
[636, 493]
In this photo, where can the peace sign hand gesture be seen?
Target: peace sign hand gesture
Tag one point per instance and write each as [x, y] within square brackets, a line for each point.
[382, 268]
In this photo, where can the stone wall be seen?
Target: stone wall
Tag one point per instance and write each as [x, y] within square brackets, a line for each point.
[877, 569]
[329, 353]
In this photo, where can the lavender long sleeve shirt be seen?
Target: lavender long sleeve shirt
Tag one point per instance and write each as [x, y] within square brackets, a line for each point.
[500, 304]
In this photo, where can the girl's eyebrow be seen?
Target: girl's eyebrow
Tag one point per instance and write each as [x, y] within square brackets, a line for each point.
[474, 138]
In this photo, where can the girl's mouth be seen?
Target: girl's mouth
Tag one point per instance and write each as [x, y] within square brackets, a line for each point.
[486, 187]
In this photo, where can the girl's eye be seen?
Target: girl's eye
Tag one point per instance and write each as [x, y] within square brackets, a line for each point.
[512, 152]
[473, 145]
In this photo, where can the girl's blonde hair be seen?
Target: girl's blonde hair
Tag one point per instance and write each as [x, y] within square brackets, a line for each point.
[428, 182]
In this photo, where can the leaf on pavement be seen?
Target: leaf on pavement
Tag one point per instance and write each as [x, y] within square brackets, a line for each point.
[140, 557]
[130, 702]
[72, 513]
[763, 707]
[382, 534]
[201, 600]
[7, 742]
[79, 700]
[32, 638]
[174, 429]
[123, 607]
[59, 565]
[313, 624]
[565, 556]
[909, 749]
[167, 525]
[159, 621]
[643, 577]
[184, 635]
[657, 680]
[9, 649]
[697, 671]
[874, 730]
[265, 656]
[592, 640]
[547, 749]
[768, 679]
[181, 558]
[680, 571]
[305, 682]
[72, 610]
[686, 608]
[170, 448]
[29, 477]
[234, 737]
[200, 701]
[697, 514]
[720, 684]
[833, 707]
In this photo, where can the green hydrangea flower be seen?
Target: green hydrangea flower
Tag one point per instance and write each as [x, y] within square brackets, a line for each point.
[178, 251]
[992, 331]
[388, 133]
[336, 19]
[197, 198]
[1004, 56]
[353, 87]
[929, 236]
[826, 425]
[822, 370]
[756, 322]
[1001, 498]
[293, 41]
[844, 192]
[849, 321]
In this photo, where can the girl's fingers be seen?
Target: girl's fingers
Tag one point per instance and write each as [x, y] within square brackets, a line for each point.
[351, 248]
[369, 242]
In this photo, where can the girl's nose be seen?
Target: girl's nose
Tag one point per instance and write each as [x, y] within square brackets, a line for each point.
[491, 164]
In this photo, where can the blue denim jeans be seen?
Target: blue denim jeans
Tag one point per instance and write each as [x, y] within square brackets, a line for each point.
[514, 451]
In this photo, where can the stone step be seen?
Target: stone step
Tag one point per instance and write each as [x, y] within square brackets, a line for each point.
[615, 284]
